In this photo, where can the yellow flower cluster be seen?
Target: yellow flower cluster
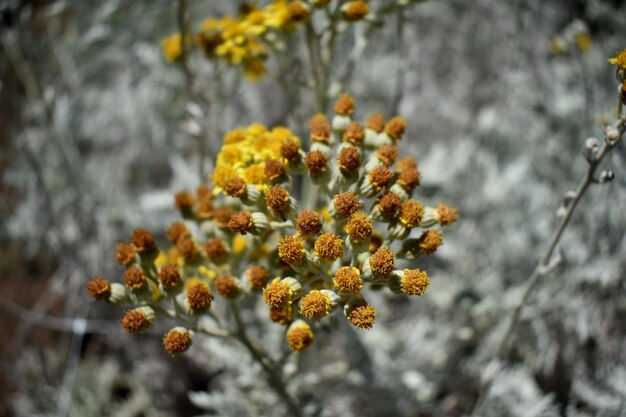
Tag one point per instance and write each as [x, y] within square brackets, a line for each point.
[363, 229]
[239, 40]
[245, 152]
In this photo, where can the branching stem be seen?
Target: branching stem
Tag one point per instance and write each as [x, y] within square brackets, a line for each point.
[543, 267]
[274, 378]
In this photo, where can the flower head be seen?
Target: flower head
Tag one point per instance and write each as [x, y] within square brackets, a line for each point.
[346, 204]
[390, 204]
[227, 286]
[172, 47]
[354, 134]
[414, 282]
[383, 261]
[380, 177]
[430, 241]
[177, 231]
[315, 305]
[134, 278]
[241, 222]
[143, 241]
[345, 105]
[376, 122]
[328, 247]
[619, 59]
[349, 159]
[308, 223]
[316, 162]
[348, 280]
[291, 250]
[446, 215]
[359, 227]
[257, 276]
[277, 293]
[395, 128]
[138, 320]
[198, 295]
[299, 335]
[361, 315]
[169, 276]
[277, 199]
[124, 253]
[177, 341]
[216, 250]
[353, 11]
[99, 289]
[411, 213]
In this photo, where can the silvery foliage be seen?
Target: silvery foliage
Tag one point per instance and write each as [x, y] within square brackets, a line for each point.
[497, 124]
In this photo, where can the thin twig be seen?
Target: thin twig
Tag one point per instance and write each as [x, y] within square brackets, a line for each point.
[274, 377]
[543, 266]
[62, 324]
[182, 18]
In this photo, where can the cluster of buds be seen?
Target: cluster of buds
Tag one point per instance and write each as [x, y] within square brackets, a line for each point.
[363, 228]
[243, 40]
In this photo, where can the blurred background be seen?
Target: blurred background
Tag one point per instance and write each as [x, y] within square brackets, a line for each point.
[97, 133]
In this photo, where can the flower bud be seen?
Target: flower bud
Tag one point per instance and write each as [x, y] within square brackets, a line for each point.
[317, 304]
[328, 247]
[280, 292]
[227, 286]
[177, 340]
[198, 296]
[125, 253]
[409, 282]
[590, 149]
[308, 223]
[373, 126]
[353, 11]
[138, 320]
[170, 278]
[99, 289]
[375, 181]
[360, 314]
[134, 279]
[299, 335]
[344, 205]
[257, 276]
[380, 264]
[348, 280]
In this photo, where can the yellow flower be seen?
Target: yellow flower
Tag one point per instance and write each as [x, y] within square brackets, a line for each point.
[233, 29]
[231, 155]
[235, 136]
[254, 174]
[204, 271]
[239, 244]
[256, 129]
[619, 59]
[254, 22]
[277, 14]
[211, 24]
[172, 47]
[221, 174]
